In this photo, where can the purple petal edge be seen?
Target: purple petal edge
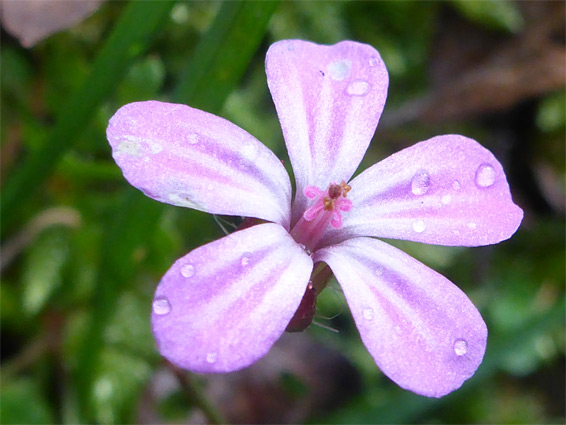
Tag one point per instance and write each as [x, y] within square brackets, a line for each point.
[448, 190]
[329, 100]
[422, 331]
[186, 157]
[223, 305]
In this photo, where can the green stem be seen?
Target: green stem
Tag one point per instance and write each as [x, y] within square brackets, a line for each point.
[194, 393]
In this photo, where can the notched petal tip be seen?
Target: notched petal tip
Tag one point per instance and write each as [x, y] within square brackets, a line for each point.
[329, 100]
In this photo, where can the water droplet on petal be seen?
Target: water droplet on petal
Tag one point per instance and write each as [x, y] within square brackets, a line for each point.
[245, 259]
[456, 185]
[373, 61]
[161, 306]
[446, 199]
[460, 347]
[420, 183]
[485, 176]
[188, 270]
[358, 88]
[193, 139]
[339, 69]
[129, 147]
[368, 313]
[419, 226]
[211, 357]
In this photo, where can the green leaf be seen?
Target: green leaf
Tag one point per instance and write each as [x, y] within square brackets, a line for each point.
[43, 268]
[551, 114]
[496, 14]
[117, 385]
[144, 79]
[22, 402]
[15, 77]
[130, 328]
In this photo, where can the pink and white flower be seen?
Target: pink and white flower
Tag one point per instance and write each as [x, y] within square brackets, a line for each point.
[223, 305]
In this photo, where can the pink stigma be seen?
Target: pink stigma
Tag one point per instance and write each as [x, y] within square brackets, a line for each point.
[325, 211]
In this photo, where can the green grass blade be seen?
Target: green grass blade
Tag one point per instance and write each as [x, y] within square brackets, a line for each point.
[128, 230]
[131, 35]
[224, 53]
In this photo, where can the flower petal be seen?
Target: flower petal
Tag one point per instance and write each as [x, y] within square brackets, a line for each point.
[448, 190]
[329, 100]
[222, 306]
[422, 331]
[187, 157]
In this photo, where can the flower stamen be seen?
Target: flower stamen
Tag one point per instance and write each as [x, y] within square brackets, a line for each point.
[325, 211]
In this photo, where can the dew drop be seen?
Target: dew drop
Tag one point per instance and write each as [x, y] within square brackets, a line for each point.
[129, 147]
[339, 69]
[460, 347]
[456, 185]
[245, 259]
[358, 88]
[419, 226]
[188, 270]
[368, 314]
[373, 61]
[161, 306]
[193, 139]
[485, 176]
[211, 357]
[446, 199]
[420, 183]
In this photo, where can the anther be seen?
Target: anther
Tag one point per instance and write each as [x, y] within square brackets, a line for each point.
[334, 191]
[323, 213]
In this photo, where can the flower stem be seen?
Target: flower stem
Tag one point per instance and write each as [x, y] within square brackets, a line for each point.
[195, 395]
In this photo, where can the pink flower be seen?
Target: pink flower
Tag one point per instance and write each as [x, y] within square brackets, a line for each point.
[223, 305]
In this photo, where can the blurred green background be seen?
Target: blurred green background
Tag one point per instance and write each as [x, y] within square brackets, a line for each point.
[82, 251]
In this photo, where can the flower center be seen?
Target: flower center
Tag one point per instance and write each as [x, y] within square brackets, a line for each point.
[326, 210]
